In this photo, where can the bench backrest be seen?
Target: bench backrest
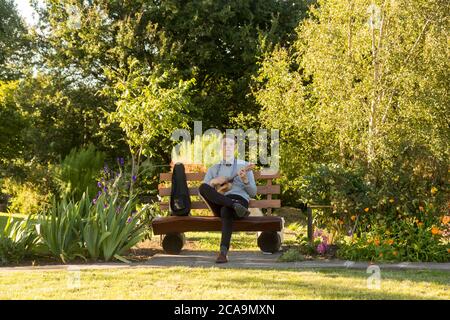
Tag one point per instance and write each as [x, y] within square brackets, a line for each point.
[268, 189]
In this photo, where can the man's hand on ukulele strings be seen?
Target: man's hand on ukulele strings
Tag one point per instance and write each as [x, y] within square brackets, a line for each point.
[218, 181]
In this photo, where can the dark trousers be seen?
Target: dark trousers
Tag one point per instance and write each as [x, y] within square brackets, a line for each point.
[222, 206]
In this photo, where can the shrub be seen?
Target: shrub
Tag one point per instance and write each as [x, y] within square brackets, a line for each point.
[291, 255]
[420, 235]
[112, 227]
[25, 198]
[78, 172]
[60, 228]
[17, 240]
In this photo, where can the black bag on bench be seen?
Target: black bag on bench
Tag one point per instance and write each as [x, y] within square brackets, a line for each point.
[180, 201]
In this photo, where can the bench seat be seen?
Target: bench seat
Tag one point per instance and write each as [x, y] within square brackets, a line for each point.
[172, 228]
[173, 224]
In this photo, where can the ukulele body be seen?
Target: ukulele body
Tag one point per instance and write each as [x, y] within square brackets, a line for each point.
[226, 186]
[222, 188]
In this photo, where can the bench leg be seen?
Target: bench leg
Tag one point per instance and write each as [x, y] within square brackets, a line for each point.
[173, 243]
[269, 241]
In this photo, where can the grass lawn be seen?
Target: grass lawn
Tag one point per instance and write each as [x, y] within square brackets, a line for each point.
[221, 283]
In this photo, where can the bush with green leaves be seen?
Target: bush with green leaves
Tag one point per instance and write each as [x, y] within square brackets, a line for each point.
[78, 171]
[112, 227]
[18, 239]
[396, 234]
[60, 227]
[24, 197]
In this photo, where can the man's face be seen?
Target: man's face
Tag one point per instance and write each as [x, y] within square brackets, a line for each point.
[228, 148]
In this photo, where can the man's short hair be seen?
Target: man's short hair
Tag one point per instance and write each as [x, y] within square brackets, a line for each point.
[229, 136]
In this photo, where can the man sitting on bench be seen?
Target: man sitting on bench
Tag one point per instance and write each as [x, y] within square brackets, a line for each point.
[227, 189]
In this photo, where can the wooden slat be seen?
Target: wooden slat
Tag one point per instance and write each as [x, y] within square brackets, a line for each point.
[198, 176]
[164, 225]
[269, 196]
[193, 191]
[253, 204]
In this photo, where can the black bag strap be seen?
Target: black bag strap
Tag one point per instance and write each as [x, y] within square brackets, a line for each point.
[232, 171]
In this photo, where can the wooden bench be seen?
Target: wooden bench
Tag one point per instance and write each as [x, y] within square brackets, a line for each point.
[173, 227]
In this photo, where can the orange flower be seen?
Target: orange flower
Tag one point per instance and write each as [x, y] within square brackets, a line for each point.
[421, 208]
[340, 221]
[353, 218]
[366, 209]
[381, 254]
[419, 224]
[390, 241]
[446, 219]
[395, 253]
[377, 242]
[435, 231]
[448, 250]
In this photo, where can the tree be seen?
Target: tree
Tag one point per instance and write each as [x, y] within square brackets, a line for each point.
[216, 43]
[14, 42]
[365, 85]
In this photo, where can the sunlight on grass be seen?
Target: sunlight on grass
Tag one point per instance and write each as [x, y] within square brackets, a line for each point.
[210, 241]
[218, 283]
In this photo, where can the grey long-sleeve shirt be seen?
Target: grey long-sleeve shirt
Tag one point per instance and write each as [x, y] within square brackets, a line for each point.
[246, 191]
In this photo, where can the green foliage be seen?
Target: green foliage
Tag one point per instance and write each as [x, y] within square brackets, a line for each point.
[394, 234]
[351, 94]
[60, 228]
[345, 189]
[78, 172]
[12, 121]
[14, 42]
[103, 228]
[149, 109]
[24, 197]
[292, 254]
[17, 240]
[112, 227]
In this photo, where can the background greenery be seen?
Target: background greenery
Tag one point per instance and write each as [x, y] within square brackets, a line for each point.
[358, 89]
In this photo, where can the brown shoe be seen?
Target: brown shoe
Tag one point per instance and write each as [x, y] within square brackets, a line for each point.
[221, 258]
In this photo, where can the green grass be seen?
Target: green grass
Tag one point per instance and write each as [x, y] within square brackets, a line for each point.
[221, 283]
[210, 241]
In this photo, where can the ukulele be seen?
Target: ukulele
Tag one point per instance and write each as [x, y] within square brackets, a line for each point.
[226, 186]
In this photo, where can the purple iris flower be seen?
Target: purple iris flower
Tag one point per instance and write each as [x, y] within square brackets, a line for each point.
[134, 178]
[322, 248]
[121, 161]
[129, 219]
[317, 233]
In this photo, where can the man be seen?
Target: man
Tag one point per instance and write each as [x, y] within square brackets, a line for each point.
[233, 204]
